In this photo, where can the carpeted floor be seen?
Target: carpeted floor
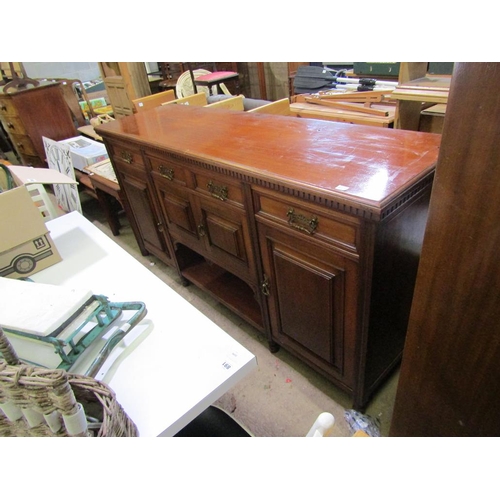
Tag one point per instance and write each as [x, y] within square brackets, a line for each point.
[283, 397]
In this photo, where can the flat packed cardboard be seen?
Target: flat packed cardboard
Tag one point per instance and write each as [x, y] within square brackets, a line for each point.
[25, 243]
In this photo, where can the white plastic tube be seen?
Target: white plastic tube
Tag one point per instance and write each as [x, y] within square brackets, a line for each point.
[77, 423]
[322, 426]
[11, 411]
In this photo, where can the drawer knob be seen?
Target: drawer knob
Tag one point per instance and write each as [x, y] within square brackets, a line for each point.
[3, 107]
[301, 222]
[10, 125]
[219, 192]
[168, 173]
[20, 145]
[127, 157]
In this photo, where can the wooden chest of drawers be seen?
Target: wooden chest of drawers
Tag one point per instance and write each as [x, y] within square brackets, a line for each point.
[30, 114]
[310, 230]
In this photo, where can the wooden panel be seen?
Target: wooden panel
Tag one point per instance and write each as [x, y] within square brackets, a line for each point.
[7, 107]
[335, 229]
[308, 324]
[347, 160]
[313, 303]
[216, 186]
[225, 235]
[23, 144]
[177, 207]
[127, 153]
[13, 124]
[169, 169]
[152, 101]
[450, 375]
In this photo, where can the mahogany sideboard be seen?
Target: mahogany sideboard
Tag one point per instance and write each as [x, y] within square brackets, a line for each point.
[310, 230]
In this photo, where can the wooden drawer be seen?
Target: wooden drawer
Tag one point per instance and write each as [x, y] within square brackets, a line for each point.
[7, 107]
[13, 125]
[220, 188]
[127, 153]
[23, 144]
[331, 227]
[169, 170]
[33, 161]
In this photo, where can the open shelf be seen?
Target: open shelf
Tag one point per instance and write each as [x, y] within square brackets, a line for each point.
[225, 287]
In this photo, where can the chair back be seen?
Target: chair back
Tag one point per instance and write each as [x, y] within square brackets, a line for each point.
[281, 107]
[199, 99]
[152, 101]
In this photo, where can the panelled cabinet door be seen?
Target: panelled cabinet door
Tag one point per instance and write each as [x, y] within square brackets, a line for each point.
[226, 236]
[179, 212]
[311, 300]
[142, 206]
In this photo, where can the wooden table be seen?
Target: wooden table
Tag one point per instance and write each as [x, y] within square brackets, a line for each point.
[176, 361]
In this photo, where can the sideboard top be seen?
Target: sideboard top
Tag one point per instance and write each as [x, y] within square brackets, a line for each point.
[369, 165]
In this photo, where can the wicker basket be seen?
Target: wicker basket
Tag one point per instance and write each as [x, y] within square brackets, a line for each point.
[37, 401]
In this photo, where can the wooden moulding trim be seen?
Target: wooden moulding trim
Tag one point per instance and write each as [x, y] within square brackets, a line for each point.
[407, 196]
[341, 204]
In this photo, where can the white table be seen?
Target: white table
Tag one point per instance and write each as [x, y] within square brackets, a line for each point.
[176, 362]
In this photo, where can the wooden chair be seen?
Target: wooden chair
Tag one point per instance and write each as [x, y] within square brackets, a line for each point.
[152, 101]
[281, 107]
[234, 103]
[199, 99]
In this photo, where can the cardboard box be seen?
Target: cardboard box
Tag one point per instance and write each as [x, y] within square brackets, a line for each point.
[25, 243]
[85, 152]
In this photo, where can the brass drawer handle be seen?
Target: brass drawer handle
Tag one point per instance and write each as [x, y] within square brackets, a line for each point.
[20, 145]
[264, 286]
[219, 192]
[127, 157]
[11, 125]
[201, 229]
[168, 173]
[3, 107]
[301, 222]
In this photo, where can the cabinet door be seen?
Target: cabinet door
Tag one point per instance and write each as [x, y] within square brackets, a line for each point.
[226, 236]
[312, 301]
[179, 212]
[142, 207]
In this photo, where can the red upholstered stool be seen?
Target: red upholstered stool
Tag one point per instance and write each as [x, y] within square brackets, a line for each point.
[216, 78]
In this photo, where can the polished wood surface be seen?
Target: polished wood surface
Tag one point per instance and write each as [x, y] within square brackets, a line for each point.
[309, 230]
[373, 164]
[36, 112]
[450, 375]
